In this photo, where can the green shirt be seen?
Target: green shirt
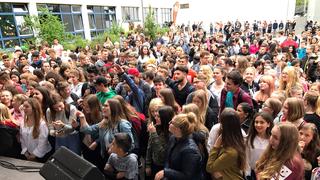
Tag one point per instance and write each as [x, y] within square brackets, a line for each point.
[104, 96]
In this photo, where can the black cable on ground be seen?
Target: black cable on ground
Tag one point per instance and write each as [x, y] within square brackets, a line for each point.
[27, 169]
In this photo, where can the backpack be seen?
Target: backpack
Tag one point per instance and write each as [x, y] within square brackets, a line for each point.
[143, 136]
[254, 102]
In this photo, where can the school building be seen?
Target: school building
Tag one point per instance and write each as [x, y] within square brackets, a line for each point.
[81, 17]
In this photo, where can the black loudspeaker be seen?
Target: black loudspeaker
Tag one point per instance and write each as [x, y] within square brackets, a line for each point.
[66, 165]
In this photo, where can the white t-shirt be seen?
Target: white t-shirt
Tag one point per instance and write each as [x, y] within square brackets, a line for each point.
[214, 134]
[39, 146]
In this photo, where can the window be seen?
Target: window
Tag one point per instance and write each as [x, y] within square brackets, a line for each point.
[165, 15]
[77, 18]
[76, 8]
[7, 25]
[19, 8]
[91, 21]
[130, 14]
[67, 20]
[70, 15]
[155, 13]
[100, 18]
[65, 8]
[11, 43]
[13, 30]
[55, 8]
[22, 28]
[99, 21]
[5, 7]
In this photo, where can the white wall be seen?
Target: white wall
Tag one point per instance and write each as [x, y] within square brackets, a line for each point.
[225, 10]
[314, 10]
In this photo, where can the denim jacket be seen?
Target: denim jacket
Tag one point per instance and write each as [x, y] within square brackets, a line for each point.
[106, 135]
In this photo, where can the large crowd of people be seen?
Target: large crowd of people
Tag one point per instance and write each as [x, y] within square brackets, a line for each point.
[240, 101]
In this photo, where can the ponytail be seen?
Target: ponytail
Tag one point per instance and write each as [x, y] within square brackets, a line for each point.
[186, 123]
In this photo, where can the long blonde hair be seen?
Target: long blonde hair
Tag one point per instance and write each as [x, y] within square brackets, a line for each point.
[207, 71]
[195, 109]
[261, 95]
[272, 160]
[292, 81]
[4, 113]
[186, 123]
[155, 104]
[203, 97]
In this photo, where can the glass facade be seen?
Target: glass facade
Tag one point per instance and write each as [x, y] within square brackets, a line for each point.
[100, 18]
[13, 30]
[130, 14]
[12, 25]
[70, 15]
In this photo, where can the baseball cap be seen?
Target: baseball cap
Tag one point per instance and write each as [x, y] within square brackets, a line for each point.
[133, 72]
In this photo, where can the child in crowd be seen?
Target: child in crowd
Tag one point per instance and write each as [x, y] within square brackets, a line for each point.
[121, 164]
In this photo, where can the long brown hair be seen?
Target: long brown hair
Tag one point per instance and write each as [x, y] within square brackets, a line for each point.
[169, 99]
[116, 115]
[95, 115]
[309, 152]
[37, 116]
[231, 134]
[56, 98]
[272, 160]
[129, 111]
[252, 130]
[295, 109]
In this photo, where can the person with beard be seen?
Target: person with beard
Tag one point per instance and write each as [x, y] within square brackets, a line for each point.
[181, 86]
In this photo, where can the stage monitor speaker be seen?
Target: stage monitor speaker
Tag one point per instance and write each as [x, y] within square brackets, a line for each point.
[66, 165]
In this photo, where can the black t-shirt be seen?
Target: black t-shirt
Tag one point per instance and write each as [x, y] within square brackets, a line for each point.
[181, 95]
[313, 118]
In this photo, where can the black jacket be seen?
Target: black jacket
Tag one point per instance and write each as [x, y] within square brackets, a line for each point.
[246, 87]
[183, 161]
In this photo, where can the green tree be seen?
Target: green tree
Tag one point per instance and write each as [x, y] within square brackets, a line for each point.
[113, 33]
[47, 26]
[150, 26]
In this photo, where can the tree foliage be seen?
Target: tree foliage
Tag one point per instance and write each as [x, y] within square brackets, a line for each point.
[301, 2]
[47, 26]
[150, 26]
[113, 33]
